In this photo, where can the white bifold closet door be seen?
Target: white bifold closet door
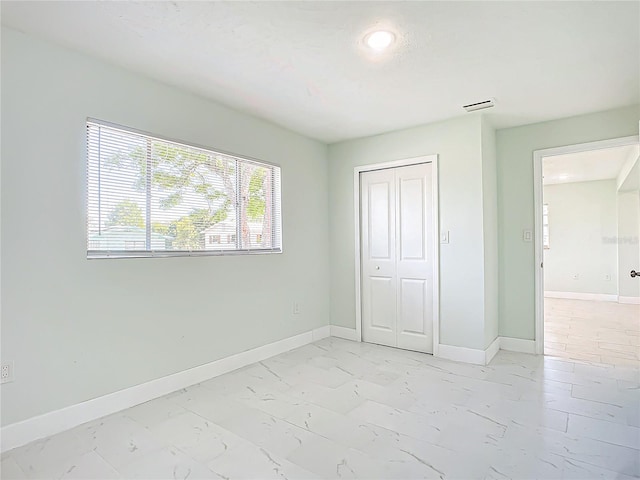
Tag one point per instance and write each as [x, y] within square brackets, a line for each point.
[397, 257]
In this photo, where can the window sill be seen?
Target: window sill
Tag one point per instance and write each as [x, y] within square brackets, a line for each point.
[96, 255]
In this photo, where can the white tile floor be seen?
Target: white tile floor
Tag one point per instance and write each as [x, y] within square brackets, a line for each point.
[340, 409]
[603, 332]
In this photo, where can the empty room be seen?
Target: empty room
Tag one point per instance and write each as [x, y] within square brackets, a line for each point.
[591, 215]
[319, 239]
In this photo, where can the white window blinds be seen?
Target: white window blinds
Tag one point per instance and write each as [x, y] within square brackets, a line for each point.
[152, 197]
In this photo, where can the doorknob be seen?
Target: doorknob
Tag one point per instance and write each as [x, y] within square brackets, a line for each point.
[378, 268]
[634, 274]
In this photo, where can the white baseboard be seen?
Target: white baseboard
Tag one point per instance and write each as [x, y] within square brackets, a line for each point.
[629, 300]
[484, 357]
[21, 433]
[344, 332]
[462, 354]
[517, 345]
[320, 333]
[600, 297]
[491, 351]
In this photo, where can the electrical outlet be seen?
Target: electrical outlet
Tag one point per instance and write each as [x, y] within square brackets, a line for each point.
[296, 308]
[6, 372]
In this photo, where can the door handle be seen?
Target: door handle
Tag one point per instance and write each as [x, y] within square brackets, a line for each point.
[634, 274]
[378, 268]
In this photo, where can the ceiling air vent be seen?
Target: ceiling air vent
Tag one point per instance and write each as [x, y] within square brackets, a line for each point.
[472, 107]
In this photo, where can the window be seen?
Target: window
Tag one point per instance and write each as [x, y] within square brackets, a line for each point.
[545, 226]
[134, 244]
[152, 197]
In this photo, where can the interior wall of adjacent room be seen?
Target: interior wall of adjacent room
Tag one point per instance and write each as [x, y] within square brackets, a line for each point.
[582, 257]
[515, 147]
[79, 329]
[628, 243]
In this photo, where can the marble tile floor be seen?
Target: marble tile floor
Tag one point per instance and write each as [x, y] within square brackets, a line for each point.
[602, 332]
[341, 409]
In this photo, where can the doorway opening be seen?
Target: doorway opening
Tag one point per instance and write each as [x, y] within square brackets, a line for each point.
[397, 251]
[587, 213]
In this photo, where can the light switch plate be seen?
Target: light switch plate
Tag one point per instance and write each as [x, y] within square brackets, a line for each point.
[444, 237]
[527, 236]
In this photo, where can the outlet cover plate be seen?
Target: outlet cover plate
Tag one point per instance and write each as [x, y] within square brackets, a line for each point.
[6, 372]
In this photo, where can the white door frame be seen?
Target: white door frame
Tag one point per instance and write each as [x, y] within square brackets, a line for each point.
[538, 155]
[433, 159]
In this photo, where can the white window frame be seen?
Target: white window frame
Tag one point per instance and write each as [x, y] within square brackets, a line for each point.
[276, 233]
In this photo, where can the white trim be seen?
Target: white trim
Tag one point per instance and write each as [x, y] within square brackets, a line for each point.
[462, 354]
[50, 423]
[517, 345]
[599, 297]
[470, 355]
[629, 300]
[433, 158]
[344, 332]
[436, 255]
[358, 270]
[626, 170]
[491, 351]
[538, 245]
[538, 155]
[586, 147]
[320, 333]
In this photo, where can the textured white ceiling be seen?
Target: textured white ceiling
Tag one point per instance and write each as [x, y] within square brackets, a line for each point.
[602, 164]
[302, 64]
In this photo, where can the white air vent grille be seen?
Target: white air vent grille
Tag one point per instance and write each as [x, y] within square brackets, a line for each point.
[472, 107]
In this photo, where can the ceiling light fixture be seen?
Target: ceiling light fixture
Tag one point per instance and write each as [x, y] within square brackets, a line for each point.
[379, 40]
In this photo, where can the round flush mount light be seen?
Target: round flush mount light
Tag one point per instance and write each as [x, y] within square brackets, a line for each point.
[379, 40]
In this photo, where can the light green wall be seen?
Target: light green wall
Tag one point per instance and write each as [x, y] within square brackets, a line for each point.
[628, 243]
[515, 147]
[458, 145]
[490, 221]
[583, 230]
[78, 329]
